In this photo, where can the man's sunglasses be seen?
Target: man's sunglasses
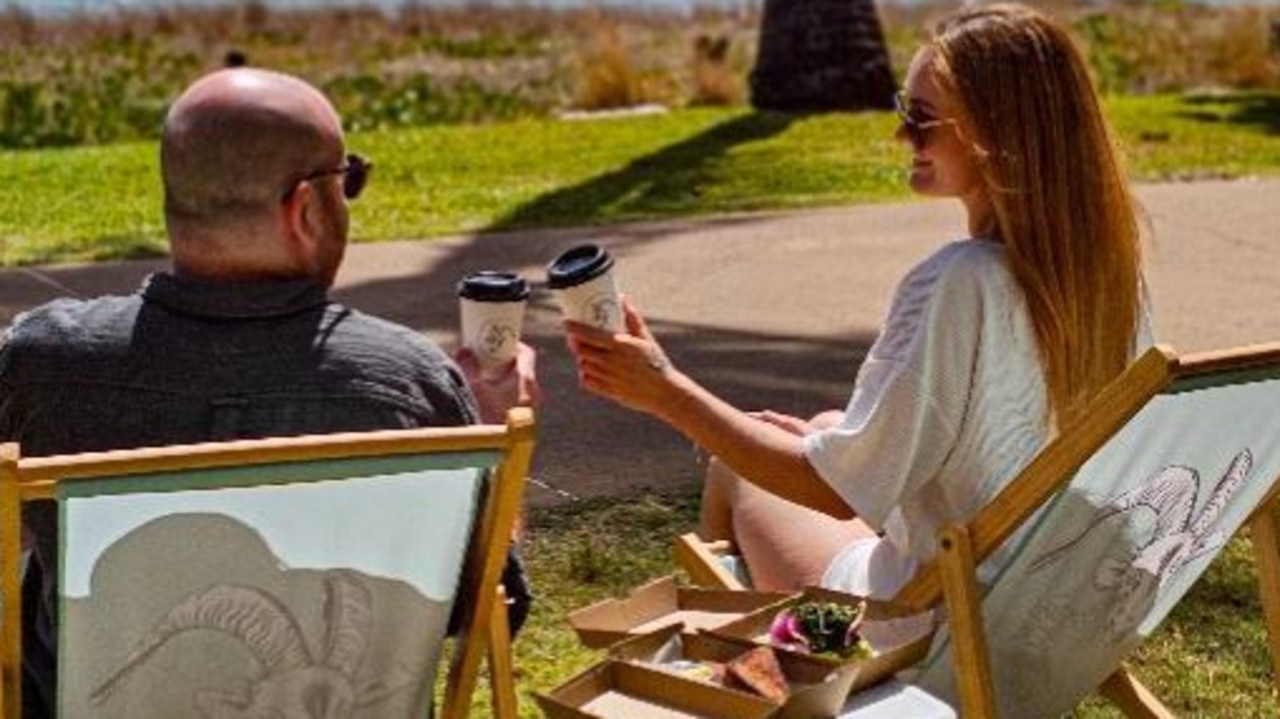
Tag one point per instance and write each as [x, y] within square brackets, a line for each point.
[355, 173]
[918, 130]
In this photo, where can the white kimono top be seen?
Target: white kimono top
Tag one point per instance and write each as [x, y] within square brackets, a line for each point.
[949, 405]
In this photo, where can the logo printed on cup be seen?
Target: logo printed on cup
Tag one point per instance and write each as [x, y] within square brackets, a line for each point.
[582, 280]
[497, 338]
[604, 310]
[492, 306]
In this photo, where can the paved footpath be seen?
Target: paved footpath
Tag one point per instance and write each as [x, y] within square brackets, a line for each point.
[768, 310]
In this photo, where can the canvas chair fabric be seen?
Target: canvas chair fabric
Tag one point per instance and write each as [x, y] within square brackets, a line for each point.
[1110, 525]
[1115, 551]
[283, 575]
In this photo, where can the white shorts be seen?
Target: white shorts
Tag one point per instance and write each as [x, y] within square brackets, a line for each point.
[874, 568]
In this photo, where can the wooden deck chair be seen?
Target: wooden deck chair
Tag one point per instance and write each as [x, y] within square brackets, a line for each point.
[236, 578]
[1098, 538]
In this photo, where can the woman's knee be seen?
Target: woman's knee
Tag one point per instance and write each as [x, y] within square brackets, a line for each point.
[718, 490]
[720, 479]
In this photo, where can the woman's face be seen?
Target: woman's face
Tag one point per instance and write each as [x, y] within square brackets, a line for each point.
[943, 163]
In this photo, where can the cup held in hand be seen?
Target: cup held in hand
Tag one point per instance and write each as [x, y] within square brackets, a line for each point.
[582, 280]
[492, 306]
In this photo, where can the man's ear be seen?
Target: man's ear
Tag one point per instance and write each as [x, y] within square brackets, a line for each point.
[302, 229]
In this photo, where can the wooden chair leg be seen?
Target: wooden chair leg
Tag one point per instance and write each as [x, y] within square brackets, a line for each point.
[1131, 697]
[964, 609]
[501, 670]
[10, 584]
[1265, 535]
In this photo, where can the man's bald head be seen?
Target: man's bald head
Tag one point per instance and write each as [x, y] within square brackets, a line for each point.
[234, 144]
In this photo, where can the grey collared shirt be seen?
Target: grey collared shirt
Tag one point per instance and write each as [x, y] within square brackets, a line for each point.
[185, 360]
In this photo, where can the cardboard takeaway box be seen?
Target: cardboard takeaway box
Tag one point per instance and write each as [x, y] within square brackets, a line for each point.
[863, 672]
[817, 689]
[622, 690]
[629, 685]
[661, 603]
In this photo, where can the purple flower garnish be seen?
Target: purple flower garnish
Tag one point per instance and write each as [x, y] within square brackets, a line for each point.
[819, 628]
[786, 632]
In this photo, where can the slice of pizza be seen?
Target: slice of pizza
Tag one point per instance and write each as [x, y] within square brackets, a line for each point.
[758, 670]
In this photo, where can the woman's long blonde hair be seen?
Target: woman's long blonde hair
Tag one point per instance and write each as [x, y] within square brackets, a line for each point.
[1062, 204]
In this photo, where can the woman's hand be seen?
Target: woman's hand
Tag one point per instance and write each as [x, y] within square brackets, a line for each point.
[514, 385]
[629, 368]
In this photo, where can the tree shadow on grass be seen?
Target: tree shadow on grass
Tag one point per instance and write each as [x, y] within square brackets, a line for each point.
[1260, 111]
[665, 182]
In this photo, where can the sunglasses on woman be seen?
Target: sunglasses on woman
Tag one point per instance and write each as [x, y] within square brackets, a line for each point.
[355, 173]
[918, 128]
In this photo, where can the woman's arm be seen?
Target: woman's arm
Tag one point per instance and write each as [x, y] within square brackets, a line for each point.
[632, 370]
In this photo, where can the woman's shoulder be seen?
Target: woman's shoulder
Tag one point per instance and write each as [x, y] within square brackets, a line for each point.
[945, 290]
[949, 291]
[971, 265]
[973, 254]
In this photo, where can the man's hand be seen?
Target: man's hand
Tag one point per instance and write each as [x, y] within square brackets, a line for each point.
[499, 390]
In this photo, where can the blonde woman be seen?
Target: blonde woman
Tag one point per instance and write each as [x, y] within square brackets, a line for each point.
[991, 344]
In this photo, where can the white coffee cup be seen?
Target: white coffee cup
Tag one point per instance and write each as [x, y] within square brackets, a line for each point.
[583, 282]
[492, 306]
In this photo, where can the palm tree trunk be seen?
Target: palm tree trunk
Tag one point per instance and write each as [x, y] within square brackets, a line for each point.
[819, 55]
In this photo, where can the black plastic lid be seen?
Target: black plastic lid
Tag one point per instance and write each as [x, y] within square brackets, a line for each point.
[578, 265]
[493, 286]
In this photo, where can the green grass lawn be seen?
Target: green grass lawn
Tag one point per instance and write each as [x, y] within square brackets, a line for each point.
[1209, 659]
[104, 202]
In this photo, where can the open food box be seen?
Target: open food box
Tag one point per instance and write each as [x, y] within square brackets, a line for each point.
[658, 675]
[661, 603]
[624, 690]
[726, 662]
[807, 687]
[864, 669]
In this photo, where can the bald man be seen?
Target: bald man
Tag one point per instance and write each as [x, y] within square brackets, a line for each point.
[240, 339]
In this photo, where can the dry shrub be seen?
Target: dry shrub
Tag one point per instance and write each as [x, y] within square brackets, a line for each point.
[607, 75]
[714, 81]
[1243, 54]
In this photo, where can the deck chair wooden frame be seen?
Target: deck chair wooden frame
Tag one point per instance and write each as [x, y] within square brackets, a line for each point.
[951, 578]
[484, 627]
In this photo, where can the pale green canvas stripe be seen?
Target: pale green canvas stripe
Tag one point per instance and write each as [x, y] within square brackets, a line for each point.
[281, 473]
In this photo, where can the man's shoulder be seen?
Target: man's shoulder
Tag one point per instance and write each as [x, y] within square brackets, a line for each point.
[61, 336]
[397, 358]
[396, 341]
[67, 319]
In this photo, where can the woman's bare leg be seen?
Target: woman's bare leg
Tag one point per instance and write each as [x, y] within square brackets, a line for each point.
[786, 546]
[720, 488]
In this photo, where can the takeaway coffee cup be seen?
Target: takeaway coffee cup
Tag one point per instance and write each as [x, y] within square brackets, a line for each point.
[582, 281]
[492, 306]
